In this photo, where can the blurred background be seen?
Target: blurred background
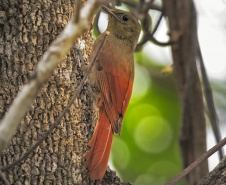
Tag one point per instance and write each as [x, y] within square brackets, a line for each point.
[147, 150]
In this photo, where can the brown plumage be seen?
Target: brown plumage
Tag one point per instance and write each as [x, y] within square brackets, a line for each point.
[112, 82]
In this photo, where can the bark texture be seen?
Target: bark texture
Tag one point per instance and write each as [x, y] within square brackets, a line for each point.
[27, 27]
[183, 32]
[217, 176]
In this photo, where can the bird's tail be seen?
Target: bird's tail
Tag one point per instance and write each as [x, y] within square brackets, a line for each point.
[98, 155]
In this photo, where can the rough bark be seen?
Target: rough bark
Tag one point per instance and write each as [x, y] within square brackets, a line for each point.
[183, 32]
[27, 28]
[217, 176]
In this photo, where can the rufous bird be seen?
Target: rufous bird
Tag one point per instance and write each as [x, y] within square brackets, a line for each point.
[111, 82]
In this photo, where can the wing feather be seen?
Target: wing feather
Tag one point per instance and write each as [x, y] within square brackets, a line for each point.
[114, 71]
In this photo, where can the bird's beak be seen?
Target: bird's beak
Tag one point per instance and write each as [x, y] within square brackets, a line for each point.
[106, 9]
[109, 12]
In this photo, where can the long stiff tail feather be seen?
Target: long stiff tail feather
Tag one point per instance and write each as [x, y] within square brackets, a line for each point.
[98, 155]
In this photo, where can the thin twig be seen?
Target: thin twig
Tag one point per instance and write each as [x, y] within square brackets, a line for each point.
[197, 162]
[210, 103]
[135, 4]
[155, 7]
[157, 24]
[158, 43]
[2, 176]
[59, 118]
[130, 3]
[149, 35]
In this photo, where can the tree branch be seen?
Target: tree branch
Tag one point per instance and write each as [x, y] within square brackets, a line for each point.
[197, 162]
[210, 103]
[217, 176]
[181, 16]
[44, 70]
[157, 24]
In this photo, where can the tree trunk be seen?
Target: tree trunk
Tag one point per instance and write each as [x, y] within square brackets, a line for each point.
[183, 32]
[217, 176]
[27, 28]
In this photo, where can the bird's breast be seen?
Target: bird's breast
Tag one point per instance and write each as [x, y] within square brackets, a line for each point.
[117, 56]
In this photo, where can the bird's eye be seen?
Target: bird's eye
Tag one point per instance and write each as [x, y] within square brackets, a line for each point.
[125, 18]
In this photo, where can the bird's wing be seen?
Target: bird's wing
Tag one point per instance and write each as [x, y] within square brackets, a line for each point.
[115, 78]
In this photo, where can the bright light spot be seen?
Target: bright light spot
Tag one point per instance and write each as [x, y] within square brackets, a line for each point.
[138, 113]
[121, 152]
[157, 53]
[212, 36]
[147, 179]
[103, 22]
[141, 82]
[153, 134]
[212, 40]
[163, 168]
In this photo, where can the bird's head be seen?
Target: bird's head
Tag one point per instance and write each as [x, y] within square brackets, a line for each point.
[123, 25]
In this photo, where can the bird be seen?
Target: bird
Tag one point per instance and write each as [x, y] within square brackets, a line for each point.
[111, 83]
